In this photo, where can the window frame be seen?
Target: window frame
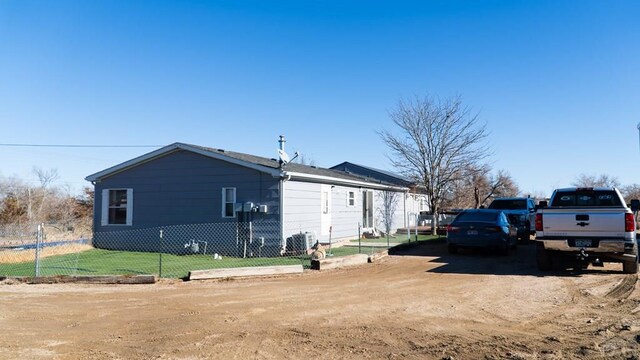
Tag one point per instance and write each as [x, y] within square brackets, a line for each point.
[105, 218]
[351, 198]
[225, 202]
[325, 201]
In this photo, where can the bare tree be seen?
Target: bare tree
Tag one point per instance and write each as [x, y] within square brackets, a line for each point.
[584, 180]
[386, 212]
[437, 140]
[46, 177]
[631, 192]
[305, 160]
[477, 186]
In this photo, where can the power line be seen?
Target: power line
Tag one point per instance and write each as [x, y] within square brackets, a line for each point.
[80, 146]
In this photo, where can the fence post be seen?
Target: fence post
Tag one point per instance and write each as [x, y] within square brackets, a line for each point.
[38, 241]
[359, 240]
[161, 248]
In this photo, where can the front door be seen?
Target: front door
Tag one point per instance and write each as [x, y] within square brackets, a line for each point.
[367, 209]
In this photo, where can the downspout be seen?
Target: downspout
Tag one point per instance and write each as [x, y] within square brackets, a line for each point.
[404, 207]
[281, 192]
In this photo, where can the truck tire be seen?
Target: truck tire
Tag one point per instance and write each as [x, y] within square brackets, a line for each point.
[630, 267]
[543, 258]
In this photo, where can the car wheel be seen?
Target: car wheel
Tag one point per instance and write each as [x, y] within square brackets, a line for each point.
[453, 249]
[543, 258]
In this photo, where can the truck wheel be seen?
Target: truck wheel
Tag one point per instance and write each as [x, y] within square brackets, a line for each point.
[630, 267]
[453, 249]
[543, 258]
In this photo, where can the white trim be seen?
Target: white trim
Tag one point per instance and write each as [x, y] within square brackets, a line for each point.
[349, 198]
[172, 148]
[104, 215]
[129, 207]
[224, 202]
[332, 180]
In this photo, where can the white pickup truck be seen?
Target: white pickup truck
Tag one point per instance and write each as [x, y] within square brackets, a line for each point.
[583, 226]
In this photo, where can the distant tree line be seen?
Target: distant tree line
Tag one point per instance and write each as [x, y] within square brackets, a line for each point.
[24, 204]
[629, 192]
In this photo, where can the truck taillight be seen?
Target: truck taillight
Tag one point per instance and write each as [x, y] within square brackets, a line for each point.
[538, 222]
[452, 229]
[629, 223]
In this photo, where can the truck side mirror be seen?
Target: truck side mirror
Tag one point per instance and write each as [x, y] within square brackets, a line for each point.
[542, 204]
[635, 205]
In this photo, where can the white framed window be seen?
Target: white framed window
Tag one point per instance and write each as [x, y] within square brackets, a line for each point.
[325, 201]
[351, 198]
[117, 207]
[228, 202]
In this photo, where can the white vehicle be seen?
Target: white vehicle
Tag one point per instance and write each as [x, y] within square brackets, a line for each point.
[583, 226]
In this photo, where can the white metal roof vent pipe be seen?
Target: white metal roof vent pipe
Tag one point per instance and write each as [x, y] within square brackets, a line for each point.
[282, 141]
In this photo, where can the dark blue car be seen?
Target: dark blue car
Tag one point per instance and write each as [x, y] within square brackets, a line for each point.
[481, 228]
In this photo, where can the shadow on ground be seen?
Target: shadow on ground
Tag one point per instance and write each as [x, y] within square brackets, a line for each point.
[521, 261]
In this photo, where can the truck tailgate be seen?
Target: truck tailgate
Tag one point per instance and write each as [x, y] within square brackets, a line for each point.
[587, 223]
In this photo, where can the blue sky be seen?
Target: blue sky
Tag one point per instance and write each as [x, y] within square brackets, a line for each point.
[557, 82]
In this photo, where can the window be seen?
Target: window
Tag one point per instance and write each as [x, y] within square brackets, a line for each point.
[325, 202]
[117, 207]
[351, 198]
[479, 216]
[228, 202]
[507, 204]
[586, 198]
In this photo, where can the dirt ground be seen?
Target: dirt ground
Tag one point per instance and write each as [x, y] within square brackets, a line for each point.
[420, 304]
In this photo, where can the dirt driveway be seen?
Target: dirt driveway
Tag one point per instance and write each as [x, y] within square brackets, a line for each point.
[420, 304]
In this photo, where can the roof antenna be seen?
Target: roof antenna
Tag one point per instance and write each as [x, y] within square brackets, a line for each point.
[283, 157]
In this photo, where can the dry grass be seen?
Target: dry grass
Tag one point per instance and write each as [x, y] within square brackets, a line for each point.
[20, 256]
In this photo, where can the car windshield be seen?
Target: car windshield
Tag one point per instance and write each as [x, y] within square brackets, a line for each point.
[508, 204]
[482, 216]
[586, 198]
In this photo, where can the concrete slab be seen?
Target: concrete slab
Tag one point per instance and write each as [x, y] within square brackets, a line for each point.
[245, 271]
[338, 262]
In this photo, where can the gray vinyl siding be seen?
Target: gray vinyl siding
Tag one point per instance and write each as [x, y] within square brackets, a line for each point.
[302, 207]
[398, 213]
[185, 188]
[344, 218]
[303, 211]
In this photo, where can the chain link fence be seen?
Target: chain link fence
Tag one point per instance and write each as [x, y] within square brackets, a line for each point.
[172, 251]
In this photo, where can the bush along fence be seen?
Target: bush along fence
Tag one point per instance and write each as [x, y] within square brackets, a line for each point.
[173, 251]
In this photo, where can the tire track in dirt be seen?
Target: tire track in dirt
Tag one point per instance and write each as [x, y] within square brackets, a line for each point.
[624, 288]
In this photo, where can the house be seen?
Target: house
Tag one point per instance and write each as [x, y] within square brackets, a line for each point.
[180, 185]
[418, 203]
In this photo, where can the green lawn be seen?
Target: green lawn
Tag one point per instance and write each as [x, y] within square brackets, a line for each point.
[108, 262]
[400, 239]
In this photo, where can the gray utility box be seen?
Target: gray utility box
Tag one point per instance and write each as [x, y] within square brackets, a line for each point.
[300, 243]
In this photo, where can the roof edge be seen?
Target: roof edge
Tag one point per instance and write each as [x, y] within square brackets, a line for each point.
[169, 149]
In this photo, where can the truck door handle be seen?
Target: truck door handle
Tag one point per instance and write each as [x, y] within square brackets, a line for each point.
[582, 217]
[583, 224]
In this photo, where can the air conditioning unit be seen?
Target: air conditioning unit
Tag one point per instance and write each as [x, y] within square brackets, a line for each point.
[248, 207]
[300, 243]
